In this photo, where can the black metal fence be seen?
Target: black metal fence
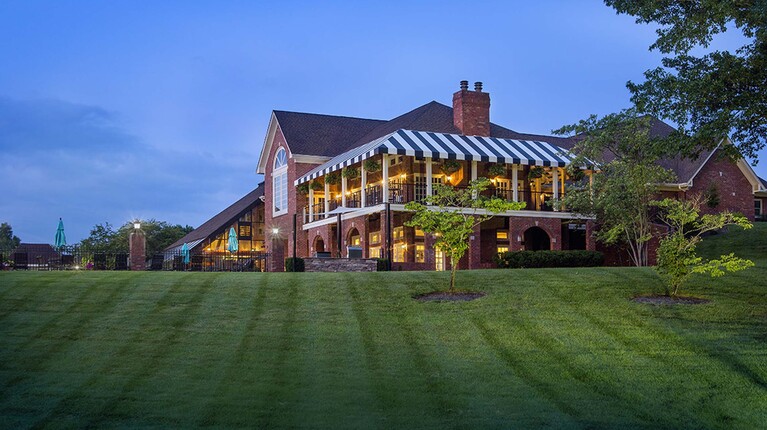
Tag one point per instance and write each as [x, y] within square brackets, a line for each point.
[79, 258]
[241, 261]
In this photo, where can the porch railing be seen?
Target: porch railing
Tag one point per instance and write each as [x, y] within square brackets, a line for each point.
[401, 193]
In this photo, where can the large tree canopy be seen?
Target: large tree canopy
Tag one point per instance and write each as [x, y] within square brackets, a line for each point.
[7, 239]
[713, 95]
[159, 235]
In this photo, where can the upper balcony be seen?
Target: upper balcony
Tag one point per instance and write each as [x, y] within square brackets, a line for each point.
[404, 166]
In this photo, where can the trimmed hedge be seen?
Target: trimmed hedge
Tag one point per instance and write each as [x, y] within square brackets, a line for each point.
[290, 265]
[382, 265]
[537, 259]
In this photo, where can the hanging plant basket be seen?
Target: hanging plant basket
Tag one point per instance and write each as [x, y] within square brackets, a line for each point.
[535, 172]
[496, 169]
[372, 165]
[449, 167]
[302, 188]
[333, 178]
[317, 186]
[350, 173]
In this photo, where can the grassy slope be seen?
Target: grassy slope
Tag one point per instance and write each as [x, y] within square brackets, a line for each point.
[556, 348]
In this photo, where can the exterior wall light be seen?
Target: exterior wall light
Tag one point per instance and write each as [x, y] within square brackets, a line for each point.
[275, 230]
[136, 225]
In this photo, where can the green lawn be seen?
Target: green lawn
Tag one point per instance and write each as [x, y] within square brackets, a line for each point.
[545, 348]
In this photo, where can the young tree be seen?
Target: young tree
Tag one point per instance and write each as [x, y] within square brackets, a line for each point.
[451, 215]
[713, 95]
[677, 259]
[622, 193]
[7, 239]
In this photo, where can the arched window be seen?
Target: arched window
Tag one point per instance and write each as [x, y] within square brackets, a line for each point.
[280, 159]
[280, 182]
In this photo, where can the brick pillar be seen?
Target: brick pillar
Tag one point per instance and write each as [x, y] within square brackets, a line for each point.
[514, 235]
[137, 247]
[475, 248]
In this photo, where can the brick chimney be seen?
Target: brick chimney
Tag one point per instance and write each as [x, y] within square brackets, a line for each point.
[471, 110]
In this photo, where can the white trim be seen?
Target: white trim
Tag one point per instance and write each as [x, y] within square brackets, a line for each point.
[310, 159]
[266, 148]
[744, 167]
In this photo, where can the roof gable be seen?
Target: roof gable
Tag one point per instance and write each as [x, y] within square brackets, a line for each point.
[325, 135]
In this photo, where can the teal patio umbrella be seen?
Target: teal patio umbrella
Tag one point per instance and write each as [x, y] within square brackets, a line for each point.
[185, 253]
[61, 238]
[232, 246]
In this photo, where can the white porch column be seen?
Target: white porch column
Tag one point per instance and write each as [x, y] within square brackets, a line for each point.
[555, 180]
[363, 185]
[473, 170]
[591, 183]
[327, 199]
[385, 177]
[311, 205]
[343, 190]
[428, 176]
[514, 181]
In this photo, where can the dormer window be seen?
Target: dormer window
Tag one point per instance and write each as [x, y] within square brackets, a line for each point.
[280, 182]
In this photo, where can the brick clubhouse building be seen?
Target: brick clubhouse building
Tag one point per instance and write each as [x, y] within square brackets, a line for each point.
[335, 182]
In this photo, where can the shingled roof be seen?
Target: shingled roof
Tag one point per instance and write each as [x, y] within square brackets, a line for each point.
[326, 135]
[223, 219]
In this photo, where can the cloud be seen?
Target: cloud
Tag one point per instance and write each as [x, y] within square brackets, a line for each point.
[61, 159]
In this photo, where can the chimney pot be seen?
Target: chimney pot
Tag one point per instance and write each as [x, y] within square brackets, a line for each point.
[464, 85]
[478, 87]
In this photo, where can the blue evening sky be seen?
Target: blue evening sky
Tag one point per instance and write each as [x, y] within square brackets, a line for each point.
[112, 110]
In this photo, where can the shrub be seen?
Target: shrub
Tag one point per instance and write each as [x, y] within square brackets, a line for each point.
[302, 188]
[449, 167]
[535, 172]
[382, 264]
[294, 265]
[538, 259]
[496, 169]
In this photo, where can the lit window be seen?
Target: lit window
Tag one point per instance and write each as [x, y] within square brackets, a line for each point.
[375, 252]
[420, 255]
[375, 238]
[398, 233]
[418, 232]
[502, 234]
[399, 253]
[280, 182]
[501, 249]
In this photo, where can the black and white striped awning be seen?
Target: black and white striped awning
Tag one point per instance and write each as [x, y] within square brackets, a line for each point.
[445, 146]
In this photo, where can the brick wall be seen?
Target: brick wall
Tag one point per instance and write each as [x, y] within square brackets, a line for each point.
[735, 192]
[282, 242]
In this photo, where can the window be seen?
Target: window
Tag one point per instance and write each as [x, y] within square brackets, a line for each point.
[280, 183]
[418, 232]
[502, 248]
[375, 252]
[420, 253]
[395, 160]
[398, 233]
[399, 252]
[375, 238]
[758, 208]
[502, 234]
[244, 231]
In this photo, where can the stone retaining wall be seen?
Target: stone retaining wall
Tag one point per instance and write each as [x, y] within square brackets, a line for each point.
[340, 264]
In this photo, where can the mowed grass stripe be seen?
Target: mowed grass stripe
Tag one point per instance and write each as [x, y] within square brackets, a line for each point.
[684, 370]
[123, 358]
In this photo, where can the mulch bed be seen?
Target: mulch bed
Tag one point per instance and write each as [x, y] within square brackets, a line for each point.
[445, 296]
[666, 300]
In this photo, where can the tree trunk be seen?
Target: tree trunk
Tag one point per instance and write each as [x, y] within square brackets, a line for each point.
[453, 268]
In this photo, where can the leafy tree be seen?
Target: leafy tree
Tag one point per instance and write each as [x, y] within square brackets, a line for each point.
[101, 238]
[452, 214]
[677, 259]
[7, 239]
[622, 193]
[159, 235]
[713, 95]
